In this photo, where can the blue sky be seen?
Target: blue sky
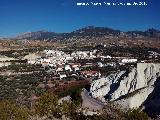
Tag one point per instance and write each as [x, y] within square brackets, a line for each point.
[18, 16]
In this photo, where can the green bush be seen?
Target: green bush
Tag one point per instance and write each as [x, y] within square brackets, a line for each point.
[136, 114]
[10, 111]
[47, 105]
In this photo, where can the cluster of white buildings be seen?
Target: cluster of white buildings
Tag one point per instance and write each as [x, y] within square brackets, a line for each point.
[60, 61]
[54, 57]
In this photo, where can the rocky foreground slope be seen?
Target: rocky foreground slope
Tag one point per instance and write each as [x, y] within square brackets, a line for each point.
[133, 89]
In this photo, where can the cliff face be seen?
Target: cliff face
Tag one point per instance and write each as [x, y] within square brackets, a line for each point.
[129, 89]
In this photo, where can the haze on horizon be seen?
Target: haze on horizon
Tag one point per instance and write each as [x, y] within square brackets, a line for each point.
[20, 16]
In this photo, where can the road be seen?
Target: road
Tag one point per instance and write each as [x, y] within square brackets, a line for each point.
[89, 102]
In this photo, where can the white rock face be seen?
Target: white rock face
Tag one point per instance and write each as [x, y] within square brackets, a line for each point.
[136, 100]
[115, 86]
[101, 87]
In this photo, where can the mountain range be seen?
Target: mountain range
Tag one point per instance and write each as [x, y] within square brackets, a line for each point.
[88, 32]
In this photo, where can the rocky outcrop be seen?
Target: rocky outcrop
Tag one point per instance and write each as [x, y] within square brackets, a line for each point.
[152, 103]
[129, 89]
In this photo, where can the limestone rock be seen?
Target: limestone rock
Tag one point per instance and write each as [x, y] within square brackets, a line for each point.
[129, 89]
